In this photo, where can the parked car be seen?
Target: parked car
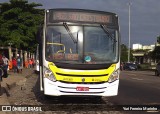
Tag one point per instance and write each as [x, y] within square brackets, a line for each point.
[130, 66]
[157, 71]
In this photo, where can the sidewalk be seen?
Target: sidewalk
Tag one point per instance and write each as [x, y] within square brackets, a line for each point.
[13, 80]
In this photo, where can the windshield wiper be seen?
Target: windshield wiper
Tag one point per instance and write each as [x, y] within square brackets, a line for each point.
[69, 32]
[107, 32]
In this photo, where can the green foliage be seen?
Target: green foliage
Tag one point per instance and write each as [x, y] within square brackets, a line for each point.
[19, 21]
[124, 53]
[155, 54]
[158, 39]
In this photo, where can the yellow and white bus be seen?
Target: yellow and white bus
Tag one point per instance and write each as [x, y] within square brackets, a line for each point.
[37, 59]
[79, 53]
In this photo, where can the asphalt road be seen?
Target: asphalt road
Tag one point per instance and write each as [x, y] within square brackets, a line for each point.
[138, 88]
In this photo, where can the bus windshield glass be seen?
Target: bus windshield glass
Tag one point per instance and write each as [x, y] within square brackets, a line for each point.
[83, 44]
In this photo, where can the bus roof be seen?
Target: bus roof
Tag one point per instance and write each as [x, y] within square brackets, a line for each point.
[82, 10]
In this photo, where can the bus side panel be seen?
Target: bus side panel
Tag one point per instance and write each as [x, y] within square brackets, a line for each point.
[41, 78]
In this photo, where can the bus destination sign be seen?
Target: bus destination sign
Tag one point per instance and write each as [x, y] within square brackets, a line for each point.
[81, 17]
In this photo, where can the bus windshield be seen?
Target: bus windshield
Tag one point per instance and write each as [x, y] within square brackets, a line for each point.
[83, 44]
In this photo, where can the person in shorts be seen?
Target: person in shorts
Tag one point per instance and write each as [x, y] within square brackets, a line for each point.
[14, 62]
[19, 63]
[5, 65]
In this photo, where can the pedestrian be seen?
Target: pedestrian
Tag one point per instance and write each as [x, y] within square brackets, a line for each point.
[26, 64]
[121, 66]
[1, 60]
[1, 73]
[14, 62]
[30, 63]
[33, 62]
[5, 65]
[10, 65]
[19, 63]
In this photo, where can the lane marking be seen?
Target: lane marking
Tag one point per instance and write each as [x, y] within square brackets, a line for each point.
[133, 74]
[137, 79]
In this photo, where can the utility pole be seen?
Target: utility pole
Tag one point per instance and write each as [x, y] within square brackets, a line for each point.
[129, 5]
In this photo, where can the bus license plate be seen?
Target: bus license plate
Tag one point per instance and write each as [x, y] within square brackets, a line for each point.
[82, 88]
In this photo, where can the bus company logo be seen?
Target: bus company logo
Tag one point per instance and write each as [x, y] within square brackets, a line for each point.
[6, 108]
[87, 59]
[83, 79]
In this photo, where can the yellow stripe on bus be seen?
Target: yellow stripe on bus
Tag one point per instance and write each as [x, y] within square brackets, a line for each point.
[71, 75]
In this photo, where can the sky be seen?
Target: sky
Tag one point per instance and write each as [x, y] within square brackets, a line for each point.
[145, 16]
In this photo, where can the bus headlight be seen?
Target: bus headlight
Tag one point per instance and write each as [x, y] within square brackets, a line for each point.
[114, 76]
[48, 74]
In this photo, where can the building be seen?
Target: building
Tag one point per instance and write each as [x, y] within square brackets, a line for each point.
[140, 53]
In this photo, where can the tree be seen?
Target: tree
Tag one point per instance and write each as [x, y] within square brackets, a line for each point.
[158, 39]
[124, 54]
[155, 54]
[19, 21]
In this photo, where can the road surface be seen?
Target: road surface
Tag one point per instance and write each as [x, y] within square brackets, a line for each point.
[138, 88]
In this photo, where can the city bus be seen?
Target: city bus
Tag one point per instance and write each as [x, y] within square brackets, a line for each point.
[37, 59]
[79, 53]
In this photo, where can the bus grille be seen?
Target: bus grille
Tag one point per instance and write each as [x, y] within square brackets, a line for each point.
[73, 75]
[81, 82]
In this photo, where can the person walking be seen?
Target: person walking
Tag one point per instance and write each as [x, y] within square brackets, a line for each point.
[26, 64]
[14, 62]
[19, 63]
[5, 65]
[0, 81]
[33, 62]
[30, 63]
[1, 72]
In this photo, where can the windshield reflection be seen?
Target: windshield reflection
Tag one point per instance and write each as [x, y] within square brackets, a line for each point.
[81, 44]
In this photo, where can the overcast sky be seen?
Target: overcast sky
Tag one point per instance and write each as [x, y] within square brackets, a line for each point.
[145, 15]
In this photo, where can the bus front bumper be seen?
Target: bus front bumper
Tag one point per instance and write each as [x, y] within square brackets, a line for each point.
[60, 89]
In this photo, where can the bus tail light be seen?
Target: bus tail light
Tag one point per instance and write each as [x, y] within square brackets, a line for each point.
[114, 76]
[49, 74]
